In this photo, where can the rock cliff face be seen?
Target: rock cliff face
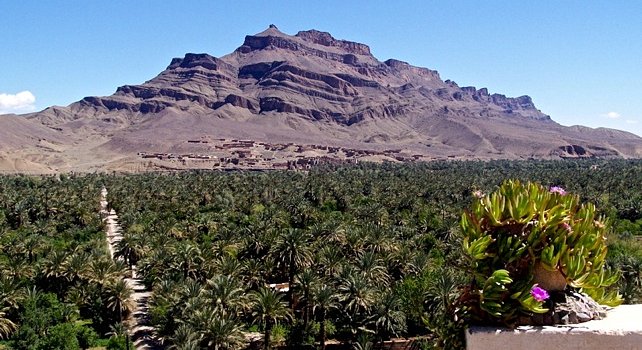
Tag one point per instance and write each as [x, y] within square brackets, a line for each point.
[313, 88]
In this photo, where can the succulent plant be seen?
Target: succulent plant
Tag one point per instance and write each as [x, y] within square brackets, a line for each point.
[526, 238]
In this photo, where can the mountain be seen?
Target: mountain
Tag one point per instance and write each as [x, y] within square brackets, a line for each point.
[292, 97]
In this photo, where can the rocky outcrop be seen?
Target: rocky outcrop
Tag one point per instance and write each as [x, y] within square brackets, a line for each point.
[192, 60]
[520, 105]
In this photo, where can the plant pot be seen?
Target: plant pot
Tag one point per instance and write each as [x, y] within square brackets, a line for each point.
[552, 281]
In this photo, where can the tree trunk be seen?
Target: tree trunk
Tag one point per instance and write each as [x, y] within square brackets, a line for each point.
[306, 311]
[306, 317]
[266, 338]
[291, 274]
[322, 330]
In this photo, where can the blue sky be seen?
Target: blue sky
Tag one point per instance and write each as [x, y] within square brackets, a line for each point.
[580, 61]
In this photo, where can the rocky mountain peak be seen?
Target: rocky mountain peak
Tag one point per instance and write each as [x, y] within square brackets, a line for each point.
[192, 60]
[270, 38]
[325, 39]
[271, 30]
[304, 41]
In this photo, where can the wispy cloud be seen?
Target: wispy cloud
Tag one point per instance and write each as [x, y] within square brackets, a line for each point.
[631, 121]
[17, 103]
[612, 115]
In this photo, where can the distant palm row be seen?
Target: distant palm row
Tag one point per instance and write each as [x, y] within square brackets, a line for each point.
[353, 254]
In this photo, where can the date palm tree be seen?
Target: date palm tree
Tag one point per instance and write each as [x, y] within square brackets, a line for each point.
[103, 271]
[77, 265]
[441, 295]
[324, 299]
[293, 251]
[11, 294]
[32, 244]
[184, 338]
[222, 332]
[228, 265]
[303, 284]
[371, 267]
[129, 249]
[227, 293]
[6, 325]
[17, 267]
[186, 258]
[268, 309]
[379, 241]
[253, 273]
[357, 296]
[388, 318]
[119, 299]
[331, 260]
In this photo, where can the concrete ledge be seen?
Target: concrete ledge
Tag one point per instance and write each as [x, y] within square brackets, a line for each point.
[621, 329]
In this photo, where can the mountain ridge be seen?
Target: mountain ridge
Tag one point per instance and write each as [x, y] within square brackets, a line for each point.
[307, 88]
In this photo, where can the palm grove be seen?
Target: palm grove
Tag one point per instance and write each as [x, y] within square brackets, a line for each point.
[360, 254]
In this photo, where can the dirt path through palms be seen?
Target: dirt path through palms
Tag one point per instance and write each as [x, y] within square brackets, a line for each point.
[139, 324]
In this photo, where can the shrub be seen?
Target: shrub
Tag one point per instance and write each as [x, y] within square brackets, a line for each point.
[62, 337]
[279, 334]
[86, 336]
[118, 343]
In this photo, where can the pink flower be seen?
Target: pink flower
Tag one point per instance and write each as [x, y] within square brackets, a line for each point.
[538, 293]
[567, 227]
[478, 194]
[558, 190]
